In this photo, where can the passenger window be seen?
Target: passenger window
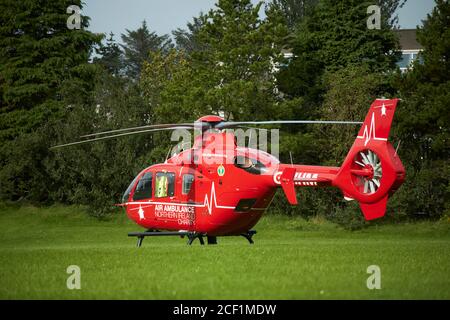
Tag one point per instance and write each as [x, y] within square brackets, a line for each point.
[171, 183]
[165, 184]
[188, 180]
[144, 187]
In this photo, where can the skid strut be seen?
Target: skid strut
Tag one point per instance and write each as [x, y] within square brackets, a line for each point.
[192, 236]
[249, 235]
[189, 234]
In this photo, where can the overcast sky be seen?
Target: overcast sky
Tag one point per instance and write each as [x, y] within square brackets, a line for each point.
[163, 16]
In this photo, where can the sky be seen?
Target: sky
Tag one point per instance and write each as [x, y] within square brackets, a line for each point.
[163, 16]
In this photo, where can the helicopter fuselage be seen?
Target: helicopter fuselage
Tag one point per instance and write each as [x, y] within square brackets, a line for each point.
[215, 188]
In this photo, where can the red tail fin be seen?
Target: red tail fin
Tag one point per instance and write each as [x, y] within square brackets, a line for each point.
[372, 170]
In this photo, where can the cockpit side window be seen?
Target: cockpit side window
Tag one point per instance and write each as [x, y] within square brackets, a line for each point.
[250, 165]
[144, 187]
[188, 180]
[165, 184]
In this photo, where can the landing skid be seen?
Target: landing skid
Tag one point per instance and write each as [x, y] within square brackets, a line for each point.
[189, 234]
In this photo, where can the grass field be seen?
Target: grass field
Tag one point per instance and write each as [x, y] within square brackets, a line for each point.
[291, 259]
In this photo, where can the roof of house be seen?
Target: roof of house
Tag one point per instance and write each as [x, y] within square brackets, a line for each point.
[408, 40]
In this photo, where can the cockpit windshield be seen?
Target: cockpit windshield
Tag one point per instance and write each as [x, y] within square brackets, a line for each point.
[126, 195]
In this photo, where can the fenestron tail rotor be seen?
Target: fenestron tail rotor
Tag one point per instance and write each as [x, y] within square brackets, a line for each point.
[368, 171]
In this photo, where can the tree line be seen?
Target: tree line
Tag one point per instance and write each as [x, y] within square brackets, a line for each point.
[58, 84]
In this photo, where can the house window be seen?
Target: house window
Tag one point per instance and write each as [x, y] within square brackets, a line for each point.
[405, 61]
[188, 181]
[165, 184]
[144, 187]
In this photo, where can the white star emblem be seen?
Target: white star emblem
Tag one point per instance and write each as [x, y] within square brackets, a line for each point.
[141, 213]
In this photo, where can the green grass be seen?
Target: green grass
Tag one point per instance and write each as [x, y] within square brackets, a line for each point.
[291, 259]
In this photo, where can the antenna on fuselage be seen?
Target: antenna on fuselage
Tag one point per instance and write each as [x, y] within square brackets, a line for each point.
[167, 155]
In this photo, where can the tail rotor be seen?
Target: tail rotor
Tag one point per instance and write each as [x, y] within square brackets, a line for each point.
[367, 171]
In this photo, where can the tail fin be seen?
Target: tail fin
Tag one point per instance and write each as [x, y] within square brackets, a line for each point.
[372, 170]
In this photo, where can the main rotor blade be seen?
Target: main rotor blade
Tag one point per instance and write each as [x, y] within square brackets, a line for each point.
[223, 125]
[202, 125]
[115, 136]
[151, 126]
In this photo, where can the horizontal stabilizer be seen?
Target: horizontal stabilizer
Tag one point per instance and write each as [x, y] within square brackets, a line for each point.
[287, 183]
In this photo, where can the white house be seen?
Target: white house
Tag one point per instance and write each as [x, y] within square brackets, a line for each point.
[409, 46]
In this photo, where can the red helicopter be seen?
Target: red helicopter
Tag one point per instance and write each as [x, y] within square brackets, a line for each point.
[217, 188]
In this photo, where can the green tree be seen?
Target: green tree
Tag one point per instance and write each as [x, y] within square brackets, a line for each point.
[43, 68]
[167, 83]
[96, 174]
[185, 39]
[40, 61]
[334, 36]
[294, 11]
[137, 46]
[423, 119]
[237, 64]
[232, 74]
[110, 56]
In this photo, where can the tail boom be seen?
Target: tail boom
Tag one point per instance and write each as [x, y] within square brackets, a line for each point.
[371, 172]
